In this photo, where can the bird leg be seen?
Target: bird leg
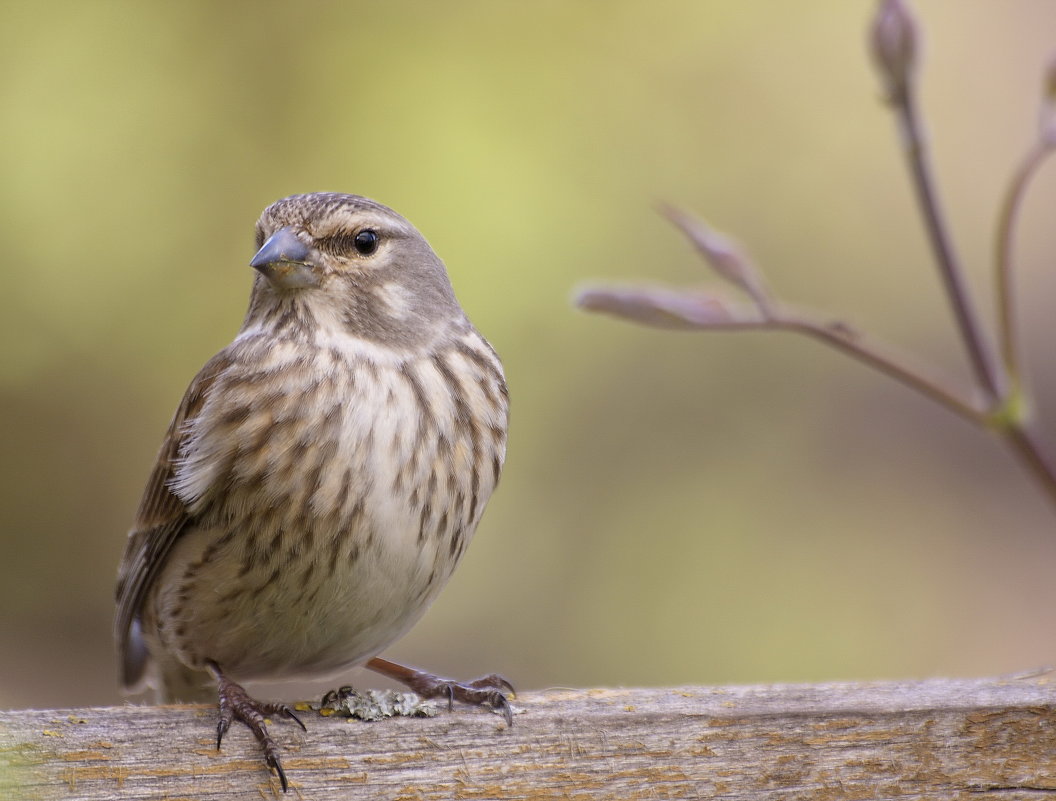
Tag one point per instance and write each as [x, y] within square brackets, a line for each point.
[488, 690]
[237, 704]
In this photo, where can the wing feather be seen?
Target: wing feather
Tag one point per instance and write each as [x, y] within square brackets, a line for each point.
[160, 520]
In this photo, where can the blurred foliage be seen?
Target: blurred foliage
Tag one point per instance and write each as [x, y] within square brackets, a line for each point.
[676, 508]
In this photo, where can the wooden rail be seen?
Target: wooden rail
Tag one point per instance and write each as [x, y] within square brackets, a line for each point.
[934, 739]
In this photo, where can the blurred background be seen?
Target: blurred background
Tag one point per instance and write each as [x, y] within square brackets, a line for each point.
[676, 508]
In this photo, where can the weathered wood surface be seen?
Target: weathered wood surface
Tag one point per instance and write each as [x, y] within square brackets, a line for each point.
[936, 739]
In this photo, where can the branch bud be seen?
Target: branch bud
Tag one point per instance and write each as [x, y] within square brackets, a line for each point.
[894, 42]
[725, 256]
[659, 307]
[1048, 106]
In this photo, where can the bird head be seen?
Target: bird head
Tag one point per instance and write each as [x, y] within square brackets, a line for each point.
[328, 260]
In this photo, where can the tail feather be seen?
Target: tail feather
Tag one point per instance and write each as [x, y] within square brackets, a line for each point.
[134, 657]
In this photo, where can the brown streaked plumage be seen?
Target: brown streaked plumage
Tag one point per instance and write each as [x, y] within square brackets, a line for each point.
[323, 474]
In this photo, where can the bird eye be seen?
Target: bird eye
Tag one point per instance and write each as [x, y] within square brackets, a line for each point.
[366, 241]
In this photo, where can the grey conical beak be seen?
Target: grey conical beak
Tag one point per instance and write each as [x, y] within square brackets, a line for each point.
[284, 260]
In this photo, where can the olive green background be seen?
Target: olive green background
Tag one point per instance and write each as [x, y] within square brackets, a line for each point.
[676, 507]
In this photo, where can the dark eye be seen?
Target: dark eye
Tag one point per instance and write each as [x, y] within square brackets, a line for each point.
[366, 241]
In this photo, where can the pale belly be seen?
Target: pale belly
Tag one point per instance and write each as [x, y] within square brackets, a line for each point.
[302, 612]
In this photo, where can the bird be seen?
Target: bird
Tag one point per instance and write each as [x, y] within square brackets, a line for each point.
[321, 477]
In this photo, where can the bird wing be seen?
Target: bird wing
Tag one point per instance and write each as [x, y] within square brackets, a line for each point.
[161, 518]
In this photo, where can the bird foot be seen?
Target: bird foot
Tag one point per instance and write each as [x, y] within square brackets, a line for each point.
[237, 704]
[490, 691]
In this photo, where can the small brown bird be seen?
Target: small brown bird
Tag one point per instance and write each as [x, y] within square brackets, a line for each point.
[322, 476]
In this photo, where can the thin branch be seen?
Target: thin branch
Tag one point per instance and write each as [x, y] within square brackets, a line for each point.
[895, 40]
[987, 370]
[1003, 245]
[881, 358]
[895, 44]
[1028, 449]
[667, 309]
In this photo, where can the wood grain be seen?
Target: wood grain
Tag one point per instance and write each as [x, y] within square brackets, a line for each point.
[935, 739]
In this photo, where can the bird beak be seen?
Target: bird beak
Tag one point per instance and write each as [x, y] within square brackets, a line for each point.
[284, 261]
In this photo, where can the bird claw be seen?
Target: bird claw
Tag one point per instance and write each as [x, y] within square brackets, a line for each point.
[493, 681]
[335, 697]
[237, 704]
[489, 691]
[273, 762]
[282, 711]
[222, 726]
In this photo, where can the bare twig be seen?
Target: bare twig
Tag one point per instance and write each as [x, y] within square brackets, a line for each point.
[1004, 262]
[651, 306]
[880, 357]
[1027, 447]
[1004, 409]
[895, 48]
[1043, 146]
[987, 370]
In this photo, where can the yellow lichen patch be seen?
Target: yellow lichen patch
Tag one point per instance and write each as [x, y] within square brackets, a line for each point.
[84, 756]
[604, 692]
[317, 763]
[73, 776]
[353, 778]
[836, 723]
[394, 759]
[870, 736]
[721, 722]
